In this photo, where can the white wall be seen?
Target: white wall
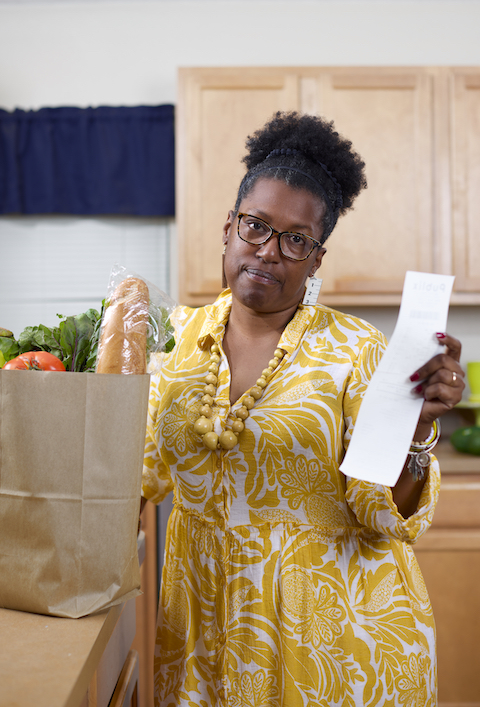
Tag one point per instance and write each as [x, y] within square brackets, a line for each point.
[62, 264]
[127, 53]
[92, 53]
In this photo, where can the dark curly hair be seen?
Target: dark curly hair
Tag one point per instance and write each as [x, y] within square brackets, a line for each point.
[306, 152]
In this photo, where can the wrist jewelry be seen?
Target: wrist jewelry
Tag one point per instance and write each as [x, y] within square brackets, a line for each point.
[419, 453]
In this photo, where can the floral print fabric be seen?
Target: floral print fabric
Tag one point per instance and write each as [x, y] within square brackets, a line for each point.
[285, 584]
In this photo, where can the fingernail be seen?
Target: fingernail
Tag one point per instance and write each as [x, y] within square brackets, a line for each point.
[418, 388]
[439, 335]
[414, 377]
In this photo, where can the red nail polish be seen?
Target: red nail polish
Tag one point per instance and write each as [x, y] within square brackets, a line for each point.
[419, 388]
[414, 377]
[439, 335]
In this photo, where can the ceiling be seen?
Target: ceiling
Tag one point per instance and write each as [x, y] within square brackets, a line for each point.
[76, 2]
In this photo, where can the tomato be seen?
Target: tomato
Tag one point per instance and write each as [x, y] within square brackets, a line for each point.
[35, 361]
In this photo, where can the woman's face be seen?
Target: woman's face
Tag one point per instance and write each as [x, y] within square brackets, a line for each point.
[260, 277]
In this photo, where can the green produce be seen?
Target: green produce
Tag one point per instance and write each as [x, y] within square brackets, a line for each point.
[9, 349]
[74, 341]
[467, 440]
[161, 330]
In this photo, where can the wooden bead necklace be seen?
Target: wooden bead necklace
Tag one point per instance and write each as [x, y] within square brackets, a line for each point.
[204, 425]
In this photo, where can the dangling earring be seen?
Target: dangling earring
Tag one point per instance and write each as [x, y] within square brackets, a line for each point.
[224, 279]
[312, 291]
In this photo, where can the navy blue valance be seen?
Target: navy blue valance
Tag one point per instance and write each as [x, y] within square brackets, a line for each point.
[88, 161]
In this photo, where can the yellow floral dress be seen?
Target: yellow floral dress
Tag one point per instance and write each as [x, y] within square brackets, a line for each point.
[284, 584]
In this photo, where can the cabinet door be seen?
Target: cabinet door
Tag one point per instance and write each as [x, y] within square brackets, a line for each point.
[397, 119]
[449, 557]
[387, 114]
[465, 140]
[217, 109]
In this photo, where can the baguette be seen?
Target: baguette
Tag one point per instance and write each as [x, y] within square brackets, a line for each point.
[123, 338]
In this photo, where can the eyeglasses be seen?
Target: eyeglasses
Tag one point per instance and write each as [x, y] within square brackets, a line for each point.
[294, 246]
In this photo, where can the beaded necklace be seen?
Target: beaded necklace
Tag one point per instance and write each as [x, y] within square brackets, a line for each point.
[204, 425]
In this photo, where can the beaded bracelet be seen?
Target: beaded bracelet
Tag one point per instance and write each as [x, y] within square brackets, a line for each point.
[419, 453]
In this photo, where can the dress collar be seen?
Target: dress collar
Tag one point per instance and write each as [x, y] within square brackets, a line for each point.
[216, 319]
[217, 315]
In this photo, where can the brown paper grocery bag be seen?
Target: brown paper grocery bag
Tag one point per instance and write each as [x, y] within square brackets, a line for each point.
[71, 453]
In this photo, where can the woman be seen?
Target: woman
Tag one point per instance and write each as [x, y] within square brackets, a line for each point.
[286, 583]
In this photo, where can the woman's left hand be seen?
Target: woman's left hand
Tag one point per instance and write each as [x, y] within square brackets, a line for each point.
[442, 382]
[441, 387]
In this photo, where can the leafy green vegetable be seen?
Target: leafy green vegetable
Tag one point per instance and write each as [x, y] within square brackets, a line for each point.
[91, 359]
[76, 334]
[73, 341]
[40, 338]
[160, 330]
[9, 348]
[169, 331]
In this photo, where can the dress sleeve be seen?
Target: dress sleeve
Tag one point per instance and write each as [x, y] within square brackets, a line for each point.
[156, 479]
[375, 508]
[373, 504]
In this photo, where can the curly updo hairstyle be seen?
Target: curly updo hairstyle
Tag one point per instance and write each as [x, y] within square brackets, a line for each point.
[306, 152]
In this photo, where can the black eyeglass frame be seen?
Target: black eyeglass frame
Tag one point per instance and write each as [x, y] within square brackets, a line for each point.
[279, 234]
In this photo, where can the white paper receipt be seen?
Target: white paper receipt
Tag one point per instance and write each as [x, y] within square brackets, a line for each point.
[389, 413]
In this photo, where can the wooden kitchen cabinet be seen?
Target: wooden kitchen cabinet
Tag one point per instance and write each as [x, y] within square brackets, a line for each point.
[417, 129]
[93, 661]
[117, 663]
[146, 606]
[49, 661]
[217, 109]
[449, 557]
[465, 130]
[386, 113]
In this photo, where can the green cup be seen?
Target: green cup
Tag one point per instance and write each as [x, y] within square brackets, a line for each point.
[473, 377]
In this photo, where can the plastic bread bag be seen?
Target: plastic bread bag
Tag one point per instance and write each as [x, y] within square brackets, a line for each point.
[135, 328]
